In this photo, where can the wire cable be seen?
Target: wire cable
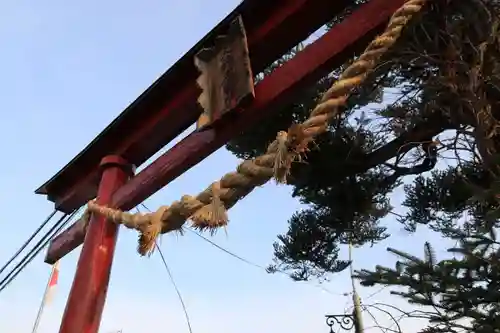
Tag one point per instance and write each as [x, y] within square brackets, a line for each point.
[226, 251]
[188, 321]
[377, 292]
[257, 265]
[32, 254]
[44, 223]
[248, 261]
[170, 275]
[28, 258]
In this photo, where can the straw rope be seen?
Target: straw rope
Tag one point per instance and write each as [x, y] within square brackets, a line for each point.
[207, 210]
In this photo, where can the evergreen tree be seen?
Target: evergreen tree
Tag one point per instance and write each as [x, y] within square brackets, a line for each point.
[461, 294]
[445, 68]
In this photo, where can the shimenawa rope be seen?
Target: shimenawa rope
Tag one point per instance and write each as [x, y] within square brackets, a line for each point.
[208, 210]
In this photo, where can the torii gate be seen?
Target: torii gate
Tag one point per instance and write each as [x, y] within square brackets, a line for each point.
[104, 169]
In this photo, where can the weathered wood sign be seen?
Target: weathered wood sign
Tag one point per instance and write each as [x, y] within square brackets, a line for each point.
[226, 77]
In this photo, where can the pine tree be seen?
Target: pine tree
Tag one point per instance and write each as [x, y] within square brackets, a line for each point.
[460, 294]
[445, 69]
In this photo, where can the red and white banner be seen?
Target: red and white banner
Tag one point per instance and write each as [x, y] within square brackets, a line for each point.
[48, 295]
[51, 288]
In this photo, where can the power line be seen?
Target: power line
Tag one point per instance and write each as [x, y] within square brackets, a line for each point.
[260, 266]
[32, 254]
[44, 223]
[255, 265]
[377, 292]
[170, 275]
[249, 262]
[56, 228]
[227, 251]
[346, 308]
[188, 321]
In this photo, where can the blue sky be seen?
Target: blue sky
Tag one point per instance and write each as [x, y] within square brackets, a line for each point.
[67, 69]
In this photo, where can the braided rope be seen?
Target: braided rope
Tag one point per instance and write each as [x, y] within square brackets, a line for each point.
[207, 210]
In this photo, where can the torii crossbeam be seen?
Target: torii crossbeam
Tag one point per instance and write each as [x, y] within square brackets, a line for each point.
[160, 114]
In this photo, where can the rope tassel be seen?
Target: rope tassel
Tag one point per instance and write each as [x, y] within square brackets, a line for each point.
[289, 147]
[150, 231]
[283, 160]
[213, 215]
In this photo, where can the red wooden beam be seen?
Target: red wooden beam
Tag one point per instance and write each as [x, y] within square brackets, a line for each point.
[271, 94]
[90, 285]
[169, 106]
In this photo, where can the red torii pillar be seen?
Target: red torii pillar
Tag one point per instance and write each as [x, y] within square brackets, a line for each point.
[88, 293]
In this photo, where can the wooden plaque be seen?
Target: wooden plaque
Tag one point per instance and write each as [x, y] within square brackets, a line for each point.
[226, 77]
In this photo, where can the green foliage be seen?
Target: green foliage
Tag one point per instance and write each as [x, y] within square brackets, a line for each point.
[462, 294]
[446, 72]
[446, 75]
[446, 195]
